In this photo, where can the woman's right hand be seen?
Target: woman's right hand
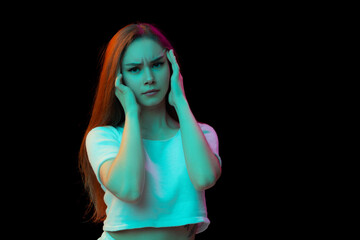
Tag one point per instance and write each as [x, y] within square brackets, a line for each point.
[126, 96]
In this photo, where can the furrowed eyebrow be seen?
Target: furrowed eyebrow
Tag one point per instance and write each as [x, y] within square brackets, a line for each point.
[133, 64]
[152, 61]
[157, 59]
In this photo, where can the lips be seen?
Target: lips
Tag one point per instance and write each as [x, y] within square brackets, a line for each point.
[152, 91]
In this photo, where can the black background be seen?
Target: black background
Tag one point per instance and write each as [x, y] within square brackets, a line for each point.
[234, 64]
[65, 58]
[205, 69]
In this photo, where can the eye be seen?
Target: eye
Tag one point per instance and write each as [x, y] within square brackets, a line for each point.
[134, 69]
[158, 64]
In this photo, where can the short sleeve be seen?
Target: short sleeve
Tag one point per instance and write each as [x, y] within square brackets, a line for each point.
[102, 144]
[211, 138]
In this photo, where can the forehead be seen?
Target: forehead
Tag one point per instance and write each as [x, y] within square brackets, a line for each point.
[142, 49]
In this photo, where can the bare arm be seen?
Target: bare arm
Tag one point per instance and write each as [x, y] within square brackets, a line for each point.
[202, 164]
[124, 176]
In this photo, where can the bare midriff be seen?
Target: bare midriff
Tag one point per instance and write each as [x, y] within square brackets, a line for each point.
[186, 232]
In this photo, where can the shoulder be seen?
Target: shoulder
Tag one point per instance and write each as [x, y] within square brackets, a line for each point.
[206, 129]
[105, 132]
[211, 136]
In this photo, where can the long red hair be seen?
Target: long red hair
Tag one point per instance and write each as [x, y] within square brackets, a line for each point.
[107, 110]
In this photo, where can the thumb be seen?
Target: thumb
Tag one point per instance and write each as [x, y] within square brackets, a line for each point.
[118, 83]
[118, 80]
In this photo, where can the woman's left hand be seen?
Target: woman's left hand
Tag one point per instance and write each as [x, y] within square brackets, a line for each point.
[177, 93]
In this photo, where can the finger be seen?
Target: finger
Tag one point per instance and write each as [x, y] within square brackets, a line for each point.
[118, 83]
[169, 57]
[118, 80]
[172, 59]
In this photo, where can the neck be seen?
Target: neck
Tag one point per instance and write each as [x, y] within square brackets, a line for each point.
[153, 119]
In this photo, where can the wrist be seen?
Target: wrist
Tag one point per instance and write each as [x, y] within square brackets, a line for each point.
[182, 109]
[181, 104]
[132, 114]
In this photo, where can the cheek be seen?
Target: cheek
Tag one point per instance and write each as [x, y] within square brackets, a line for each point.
[163, 79]
[130, 82]
[165, 74]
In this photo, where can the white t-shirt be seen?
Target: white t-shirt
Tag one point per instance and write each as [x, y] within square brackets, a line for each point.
[168, 199]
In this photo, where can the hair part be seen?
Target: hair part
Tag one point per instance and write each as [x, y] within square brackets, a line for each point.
[107, 110]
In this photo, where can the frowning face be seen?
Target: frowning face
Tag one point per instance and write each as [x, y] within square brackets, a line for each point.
[146, 71]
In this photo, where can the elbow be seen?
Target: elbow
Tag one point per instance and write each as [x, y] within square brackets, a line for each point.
[206, 182]
[207, 179]
[126, 193]
[130, 196]
[203, 186]
[125, 190]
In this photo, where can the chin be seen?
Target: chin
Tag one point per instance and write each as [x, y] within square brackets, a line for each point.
[153, 102]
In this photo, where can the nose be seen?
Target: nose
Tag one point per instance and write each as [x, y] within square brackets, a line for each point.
[149, 77]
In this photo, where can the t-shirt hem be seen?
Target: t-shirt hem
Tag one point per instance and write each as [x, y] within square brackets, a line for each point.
[204, 223]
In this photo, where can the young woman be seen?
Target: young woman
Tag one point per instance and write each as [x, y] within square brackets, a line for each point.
[145, 159]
